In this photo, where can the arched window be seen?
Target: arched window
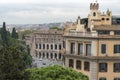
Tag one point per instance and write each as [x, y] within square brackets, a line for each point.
[103, 19]
[51, 46]
[55, 46]
[55, 55]
[47, 46]
[39, 54]
[94, 14]
[47, 55]
[36, 54]
[43, 55]
[59, 55]
[51, 55]
[59, 46]
[43, 46]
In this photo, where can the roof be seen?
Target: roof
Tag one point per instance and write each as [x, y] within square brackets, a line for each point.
[107, 27]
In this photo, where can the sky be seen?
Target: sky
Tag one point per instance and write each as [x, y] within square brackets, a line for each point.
[50, 11]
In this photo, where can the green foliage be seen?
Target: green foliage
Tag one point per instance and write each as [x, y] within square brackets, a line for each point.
[84, 20]
[56, 28]
[14, 34]
[23, 33]
[14, 56]
[54, 73]
[11, 64]
[4, 35]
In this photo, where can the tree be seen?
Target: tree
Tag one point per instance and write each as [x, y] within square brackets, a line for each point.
[4, 35]
[54, 73]
[14, 33]
[11, 64]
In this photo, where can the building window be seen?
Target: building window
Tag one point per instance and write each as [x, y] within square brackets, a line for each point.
[102, 78]
[36, 46]
[51, 46]
[72, 48]
[78, 64]
[94, 14]
[117, 32]
[88, 49]
[102, 67]
[116, 67]
[47, 46]
[86, 66]
[107, 19]
[117, 78]
[39, 46]
[103, 48]
[116, 48]
[71, 63]
[103, 18]
[80, 49]
[43, 46]
[59, 46]
[55, 46]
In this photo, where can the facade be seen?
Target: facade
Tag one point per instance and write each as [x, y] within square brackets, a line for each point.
[95, 50]
[46, 44]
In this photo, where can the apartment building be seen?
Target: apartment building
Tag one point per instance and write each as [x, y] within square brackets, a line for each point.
[93, 50]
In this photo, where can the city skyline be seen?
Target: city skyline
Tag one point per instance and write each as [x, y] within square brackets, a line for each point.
[38, 11]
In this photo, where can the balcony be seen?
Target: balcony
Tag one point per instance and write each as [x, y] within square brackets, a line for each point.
[89, 35]
[81, 34]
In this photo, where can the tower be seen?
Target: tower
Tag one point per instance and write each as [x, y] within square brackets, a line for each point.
[94, 14]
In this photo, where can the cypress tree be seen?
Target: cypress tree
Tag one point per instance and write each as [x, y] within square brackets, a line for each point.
[4, 35]
[14, 33]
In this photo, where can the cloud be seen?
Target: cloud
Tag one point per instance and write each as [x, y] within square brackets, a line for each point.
[45, 11]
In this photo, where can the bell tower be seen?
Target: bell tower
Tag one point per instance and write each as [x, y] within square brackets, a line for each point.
[94, 13]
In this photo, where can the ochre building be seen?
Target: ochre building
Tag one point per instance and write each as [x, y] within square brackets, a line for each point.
[93, 50]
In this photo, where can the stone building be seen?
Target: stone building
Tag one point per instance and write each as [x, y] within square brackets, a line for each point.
[46, 44]
[94, 52]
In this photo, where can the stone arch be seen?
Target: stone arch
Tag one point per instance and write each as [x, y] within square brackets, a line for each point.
[51, 46]
[51, 55]
[43, 55]
[60, 55]
[47, 55]
[55, 55]
[39, 54]
[36, 54]
[47, 46]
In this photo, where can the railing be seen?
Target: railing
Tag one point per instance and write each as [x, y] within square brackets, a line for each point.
[81, 54]
[81, 34]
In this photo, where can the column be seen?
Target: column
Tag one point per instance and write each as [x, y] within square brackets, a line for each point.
[84, 49]
[53, 55]
[53, 46]
[76, 48]
[41, 46]
[41, 55]
[58, 56]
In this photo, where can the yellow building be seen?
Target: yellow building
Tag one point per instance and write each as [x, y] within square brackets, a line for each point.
[95, 50]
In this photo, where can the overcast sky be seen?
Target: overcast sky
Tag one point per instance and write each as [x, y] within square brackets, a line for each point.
[49, 11]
